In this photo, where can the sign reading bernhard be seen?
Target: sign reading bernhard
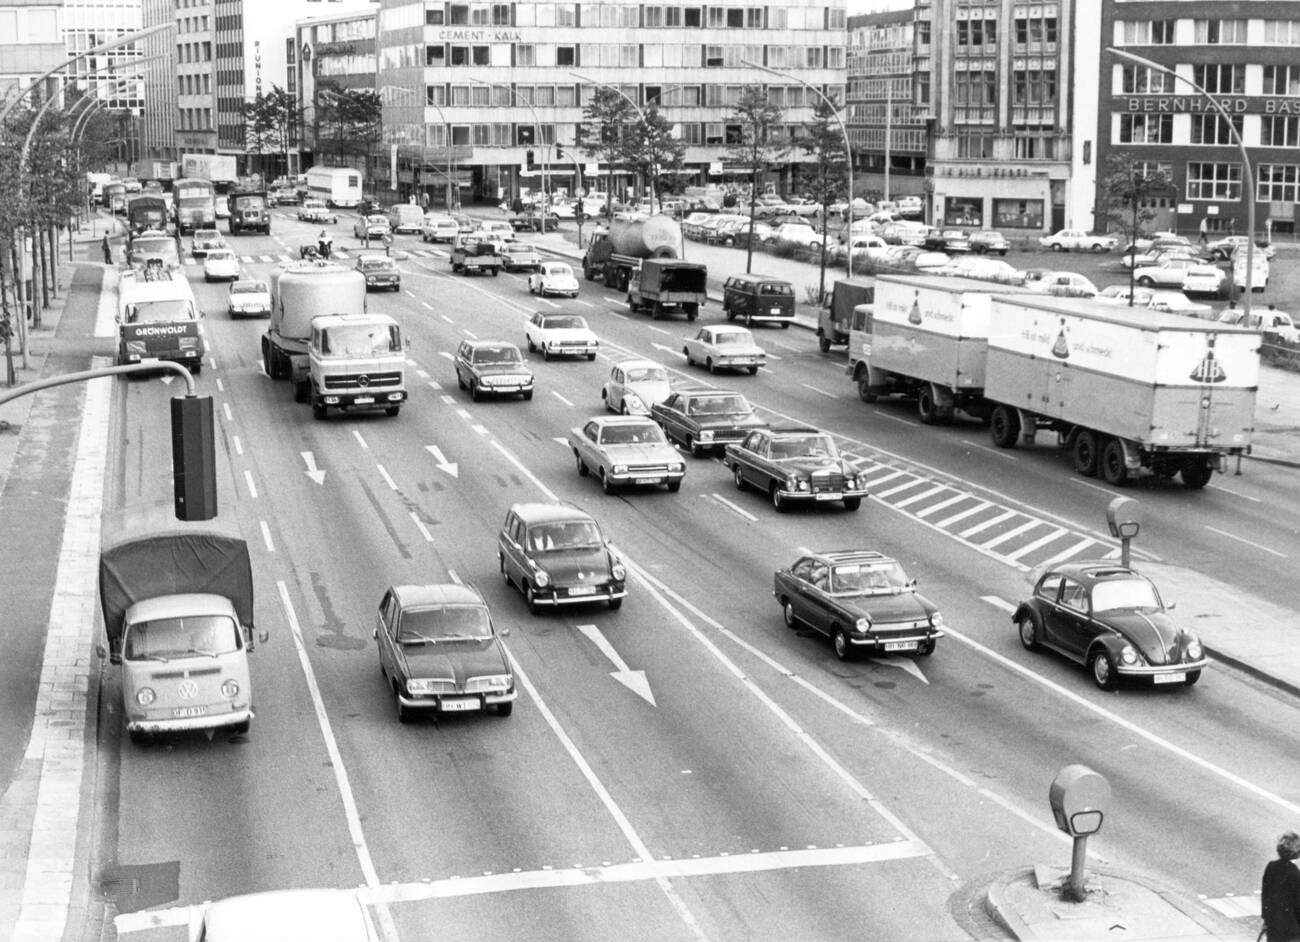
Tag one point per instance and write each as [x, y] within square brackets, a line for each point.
[1195, 104]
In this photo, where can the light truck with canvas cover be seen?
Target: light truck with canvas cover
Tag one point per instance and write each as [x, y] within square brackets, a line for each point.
[1128, 391]
[924, 337]
[177, 601]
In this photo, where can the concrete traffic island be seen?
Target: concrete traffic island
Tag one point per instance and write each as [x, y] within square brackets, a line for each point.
[1029, 904]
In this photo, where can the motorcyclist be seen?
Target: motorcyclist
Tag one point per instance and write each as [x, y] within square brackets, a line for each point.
[324, 244]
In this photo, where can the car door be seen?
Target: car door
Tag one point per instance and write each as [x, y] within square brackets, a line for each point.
[1072, 625]
[589, 445]
[669, 414]
[384, 626]
[614, 388]
[745, 458]
[817, 606]
[512, 549]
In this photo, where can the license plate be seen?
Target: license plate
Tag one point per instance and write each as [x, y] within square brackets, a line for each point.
[460, 704]
[776, 312]
[364, 400]
[181, 712]
[900, 645]
[1177, 678]
[583, 590]
[826, 497]
[649, 480]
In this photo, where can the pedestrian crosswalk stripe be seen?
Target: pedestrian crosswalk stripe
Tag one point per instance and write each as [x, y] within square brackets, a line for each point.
[247, 258]
[985, 524]
[1011, 534]
[268, 258]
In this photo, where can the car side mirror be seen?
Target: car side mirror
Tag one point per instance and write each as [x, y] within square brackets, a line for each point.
[1171, 606]
[504, 632]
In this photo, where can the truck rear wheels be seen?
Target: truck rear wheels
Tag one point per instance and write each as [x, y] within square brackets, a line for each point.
[1196, 474]
[1005, 426]
[1086, 458]
[1113, 467]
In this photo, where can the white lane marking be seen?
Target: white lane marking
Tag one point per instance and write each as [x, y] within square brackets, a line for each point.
[892, 473]
[584, 303]
[266, 537]
[898, 490]
[915, 498]
[423, 374]
[480, 429]
[212, 362]
[962, 515]
[1133, 728]
[1095, 487]
[248, 479]
[447, 319]
[452, 575]
[998, 603]
[1070, 553]
[537, 482]
[409, 292]
[427, 304]
[221, 386]
[819, 391]
[550, 302]
[773, 356]
[896, 418]
[239, 446]
[1012, 534]
[225, 410]
[434, 384]
[360, 441]
[341, 778]
[447, 355]
[419, 525]
[1056, 534]
[1000, 452]
[1242, 539]
[449, 400]
[942, 505]
[657, 330]
[985, 524]
[1228, 490]
[383, 473]
[733, 507]
[561, 398]
[471, 335]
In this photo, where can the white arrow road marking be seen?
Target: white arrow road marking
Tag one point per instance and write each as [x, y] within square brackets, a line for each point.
[905, 664]
[562, 442]
[441, 462]
[634, 681]
[310, 460]
[167, 378]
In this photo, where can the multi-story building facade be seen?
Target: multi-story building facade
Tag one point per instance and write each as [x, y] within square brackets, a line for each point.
[886, 126]
[996, 78]
[330, 53]
[112, 76]
[31, 43]
[1246, 54]
[502, 79]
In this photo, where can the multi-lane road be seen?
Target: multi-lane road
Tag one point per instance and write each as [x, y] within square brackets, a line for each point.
[686, 767]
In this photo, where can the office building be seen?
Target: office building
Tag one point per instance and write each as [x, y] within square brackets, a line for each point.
[886, 126]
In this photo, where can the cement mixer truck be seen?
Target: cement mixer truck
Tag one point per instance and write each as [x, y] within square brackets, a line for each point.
[641, 256]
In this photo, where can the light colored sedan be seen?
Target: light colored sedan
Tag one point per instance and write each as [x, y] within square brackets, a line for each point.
[553, 278]
[220, 265]
[519, 255]
[249, 299]
[1067, 240]
[634, 386]
[724, 347]
[1175, 273]
[561, 335]
[626, 450]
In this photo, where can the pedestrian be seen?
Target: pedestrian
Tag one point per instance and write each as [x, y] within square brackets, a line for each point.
[1268, 231]
[323, 244]
[388, 244]
[365, 236]
[107, 246]
[1279, 900]
[1232, 226]
[1205, 229]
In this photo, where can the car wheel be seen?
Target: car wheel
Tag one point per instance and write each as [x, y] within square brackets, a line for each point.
[1031, 635]
[686, 352]
[926, 409]
[753, 371]
[505, 709]
[708, 365]
[1113, 468]
[1085, 453]
[606, 482]
[1192, 678]
[473, 390]
[403, 714]
[318, 408]
[926, 648]
[392, 411]
[530, 598]
[1057, 247]
[694, 447]
[1098, 248]
[460, 380]
[501, 561]
[788, 615]
[840, 641]
[674, 486]
[1147, 281]
[852, 503]
[1103, 669]
[823, 344]
[241, 729]
[739, 477]
[1196, 476]
[582, 467]
[779, 503]
[1004, 426]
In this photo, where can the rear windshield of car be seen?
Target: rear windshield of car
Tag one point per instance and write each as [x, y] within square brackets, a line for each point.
[775, 288]
[444, 624]
[717, 405]
[647, 374]
[730, 336]
[558, 270]
[248, 287]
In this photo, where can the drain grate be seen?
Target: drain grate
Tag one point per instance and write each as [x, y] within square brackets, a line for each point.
[133, 887]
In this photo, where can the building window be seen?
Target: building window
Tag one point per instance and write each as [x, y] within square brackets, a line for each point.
[921, 89]
[525, 54]
[1220, 32]
[1140, 80]
[1212, 129]
[963, 211]
[1034, 87]
[1213, 181]
[976, 145]
[1035, 30]
[754, 17]
[692, 18]
[566, 14]
[435, 56]
[1278, 183]
[435, 94]
[501, 14]
[713, 132]
[1282, 32]
[1146, 129]
[566, 55]
[1017, 214]
[1281, 80]
[1220, 78]
[692, 133]
[713, 57]
[1279, 131]
[480, 15]
[458, 14]
[923, 32]
[976, 33]
[1146, 32]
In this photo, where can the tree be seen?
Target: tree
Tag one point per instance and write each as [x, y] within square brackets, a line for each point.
[1130, 186]
[604, 131]
[755, 147]
[651, 150]
[347, 122]
[269, 120]
[822, 138]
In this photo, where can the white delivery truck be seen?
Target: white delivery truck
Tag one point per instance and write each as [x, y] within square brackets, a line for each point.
[1128, 391]
[924, 337]
[337, 186]
[405, 217]
[356, 362]
[299, 292]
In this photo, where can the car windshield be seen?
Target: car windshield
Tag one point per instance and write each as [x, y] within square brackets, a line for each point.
[497, 355]
[573, 534]
[885, 578]
[186, 636]
[157, 311]
[564, 323]
[360, 341]
[248, 202]
[647, 374]
[221, 256]
[377, 263]
[640, 434]
[731, 337]
[207, 235]
[1117, 594]
[716, 405]
[453, 623]
[803, 446]
[248, 287]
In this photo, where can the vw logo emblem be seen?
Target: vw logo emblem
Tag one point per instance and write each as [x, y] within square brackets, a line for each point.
[187, 689]
[363, 380]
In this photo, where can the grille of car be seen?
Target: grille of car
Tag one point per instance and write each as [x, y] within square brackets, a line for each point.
[729, 434]
[373, 380]
[826, 481]
[506, 379]
[898, 629]
[640, 469]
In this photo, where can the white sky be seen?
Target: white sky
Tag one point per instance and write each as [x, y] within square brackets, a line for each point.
[875, 6]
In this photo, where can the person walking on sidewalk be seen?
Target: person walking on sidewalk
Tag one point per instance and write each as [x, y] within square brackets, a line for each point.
[107, 246]
[1279, 901]
[1205, 230]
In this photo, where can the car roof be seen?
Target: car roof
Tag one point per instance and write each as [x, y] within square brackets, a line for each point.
[795, 430]
[841, 557]
[539, 512]
[728, 329]
[250, 281]
[623, 420]
[375, 258]
[451, 593]
[1092, 571]
[694, 391]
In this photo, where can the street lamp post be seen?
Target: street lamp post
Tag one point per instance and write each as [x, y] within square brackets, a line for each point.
[1247, 176]
[537, 134]
[654, 183]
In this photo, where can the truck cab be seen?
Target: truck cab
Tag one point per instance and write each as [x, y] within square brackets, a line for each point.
[836, 315]
[356, 361]
[249, 210]
[157, 319]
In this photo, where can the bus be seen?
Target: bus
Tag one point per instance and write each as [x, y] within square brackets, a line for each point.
[195, 205]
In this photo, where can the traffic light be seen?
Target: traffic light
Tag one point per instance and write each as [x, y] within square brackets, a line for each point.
[530, 161]
[559, 151]
[578, 212]
[194, 458]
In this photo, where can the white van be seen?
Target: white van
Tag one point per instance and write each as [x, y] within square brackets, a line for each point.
[336, 186]
[405, 217]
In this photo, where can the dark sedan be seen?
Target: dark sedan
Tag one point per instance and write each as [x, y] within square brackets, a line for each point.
[794, 465]
[1111, 619]
[557, 555]
[492, 368]
[705, 419]
[439, 651]
[862, 600]
[952, 241]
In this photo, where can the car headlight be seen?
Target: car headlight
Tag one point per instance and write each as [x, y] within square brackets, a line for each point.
[493, 682]
[706, 435]
[617, 572]
[1194, 650]
[541, 579]
[620, 469]
[1127, 655]
[145, 696]
[675, 467]
[936, 620]
[863, 624]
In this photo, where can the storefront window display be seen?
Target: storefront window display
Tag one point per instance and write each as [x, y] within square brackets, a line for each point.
[963, 211]
[1018, 214]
